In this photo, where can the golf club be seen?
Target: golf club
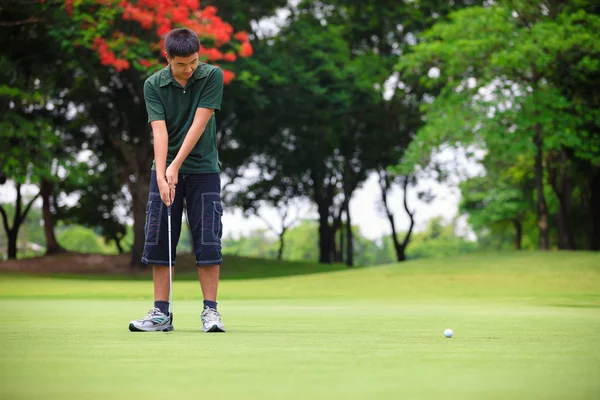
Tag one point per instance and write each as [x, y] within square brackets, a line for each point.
[170, 266]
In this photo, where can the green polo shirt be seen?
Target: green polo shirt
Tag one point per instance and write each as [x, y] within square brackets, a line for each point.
[167, 100]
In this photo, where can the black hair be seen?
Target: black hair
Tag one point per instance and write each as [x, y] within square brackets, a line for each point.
[181, 42]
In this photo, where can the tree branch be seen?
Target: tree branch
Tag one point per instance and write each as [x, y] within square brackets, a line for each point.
[4, 219]
[18, 205]
[30, 20]
[30, 204]
[410, 215]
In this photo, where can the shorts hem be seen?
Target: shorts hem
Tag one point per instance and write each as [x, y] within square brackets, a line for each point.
[209, 262]
[157, 262]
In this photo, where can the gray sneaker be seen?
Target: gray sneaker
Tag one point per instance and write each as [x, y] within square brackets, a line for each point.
[155, 321]
[211, 320]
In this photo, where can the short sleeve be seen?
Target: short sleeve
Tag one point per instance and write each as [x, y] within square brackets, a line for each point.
[212, 94]
[154, 107]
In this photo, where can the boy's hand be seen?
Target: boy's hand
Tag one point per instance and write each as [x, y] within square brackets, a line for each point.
[167, 193]
[172, 175]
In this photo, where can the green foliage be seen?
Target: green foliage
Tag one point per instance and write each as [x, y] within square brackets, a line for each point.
[511, 61]
[502, 70]
[439, 240]
[81, 239]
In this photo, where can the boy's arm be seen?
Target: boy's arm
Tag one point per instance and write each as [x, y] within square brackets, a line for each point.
[156, 117]
[210, 101]
[161, 147]
[191, 138]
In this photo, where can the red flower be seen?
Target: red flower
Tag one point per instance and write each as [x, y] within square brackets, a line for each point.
[246, 50]
[241, 36]
[163, 30]
[208, 12]
[227, 76]
[231, 57]
[158, 17]
[69, 6]
[120, 65]
[192, 4]
[180, 14]
[212, 54]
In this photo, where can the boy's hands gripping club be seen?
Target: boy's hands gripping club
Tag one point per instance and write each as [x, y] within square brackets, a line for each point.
[167, 191]
[167, 186]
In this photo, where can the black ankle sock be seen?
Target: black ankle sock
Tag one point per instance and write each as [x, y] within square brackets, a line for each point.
[210, 304]
[163, 306]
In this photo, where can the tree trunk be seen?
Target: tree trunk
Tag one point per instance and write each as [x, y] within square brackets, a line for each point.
[411, 215]
[118, 244]
[12, 233]
[324, 233]
[323, 198]
[386, 184]
[595, 211]
[340, 254]
[139, 200]
[542, 208]
[52, 245]
[281, 244]
[349, 238]
[562, 189]
[518, 233]
[12, 244]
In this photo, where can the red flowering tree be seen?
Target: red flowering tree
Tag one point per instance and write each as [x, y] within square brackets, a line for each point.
[126, 38]
[130, 34]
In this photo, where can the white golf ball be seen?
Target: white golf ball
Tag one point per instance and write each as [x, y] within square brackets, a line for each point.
[448, 333]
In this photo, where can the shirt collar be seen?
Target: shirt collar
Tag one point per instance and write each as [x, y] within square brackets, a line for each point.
[166, 77]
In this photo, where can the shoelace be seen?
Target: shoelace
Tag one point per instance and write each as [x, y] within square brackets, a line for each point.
[151, 314]
[211, 315]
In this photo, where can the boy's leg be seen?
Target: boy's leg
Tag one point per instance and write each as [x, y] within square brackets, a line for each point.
[205, 211]
[209, 281]
[156, 253]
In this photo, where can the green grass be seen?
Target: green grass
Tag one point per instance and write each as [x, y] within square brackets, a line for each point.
[527, 326]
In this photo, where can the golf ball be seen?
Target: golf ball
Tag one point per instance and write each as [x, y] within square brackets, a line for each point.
[448, 333]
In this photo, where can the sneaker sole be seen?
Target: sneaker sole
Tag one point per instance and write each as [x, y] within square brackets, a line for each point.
[214, 328]
[133, 328]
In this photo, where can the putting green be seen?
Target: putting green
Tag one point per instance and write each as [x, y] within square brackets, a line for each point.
[523, 330]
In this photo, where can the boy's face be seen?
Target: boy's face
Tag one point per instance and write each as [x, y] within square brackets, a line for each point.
[183, 67]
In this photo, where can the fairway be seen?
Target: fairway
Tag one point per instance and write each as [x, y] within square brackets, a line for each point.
[526, 327]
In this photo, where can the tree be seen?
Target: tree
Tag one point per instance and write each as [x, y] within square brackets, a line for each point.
[490, 202]
[28, 117]
[100, 191]
[279, 194]
[497, 90]
[125, 38]
[313, 149]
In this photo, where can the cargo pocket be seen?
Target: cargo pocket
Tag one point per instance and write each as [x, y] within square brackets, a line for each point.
[212, 211]
[153, 219]
[217, 220]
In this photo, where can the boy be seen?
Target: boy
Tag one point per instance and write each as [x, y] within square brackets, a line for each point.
[180, 101]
